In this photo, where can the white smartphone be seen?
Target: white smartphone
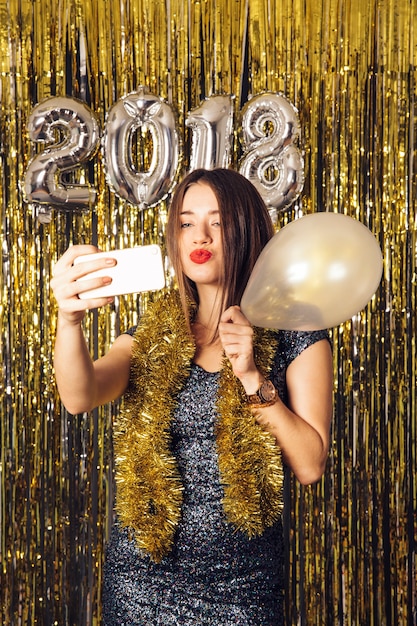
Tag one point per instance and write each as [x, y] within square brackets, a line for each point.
[137, 269]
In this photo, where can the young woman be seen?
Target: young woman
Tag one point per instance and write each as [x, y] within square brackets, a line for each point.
[213, 409]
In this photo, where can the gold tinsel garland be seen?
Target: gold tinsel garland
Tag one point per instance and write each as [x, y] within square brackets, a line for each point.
[249, 459]
[149, 489]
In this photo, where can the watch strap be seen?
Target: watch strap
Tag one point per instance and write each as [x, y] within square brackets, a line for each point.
[257, 400]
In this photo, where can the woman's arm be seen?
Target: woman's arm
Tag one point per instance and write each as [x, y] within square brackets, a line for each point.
[302, 429]
[82, 383]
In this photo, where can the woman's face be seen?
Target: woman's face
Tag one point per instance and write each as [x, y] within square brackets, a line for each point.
[201, 236]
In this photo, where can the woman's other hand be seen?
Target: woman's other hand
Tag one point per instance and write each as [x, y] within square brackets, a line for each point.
[236, 336]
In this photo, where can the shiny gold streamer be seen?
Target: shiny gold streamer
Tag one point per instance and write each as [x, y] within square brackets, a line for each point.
[350, 68]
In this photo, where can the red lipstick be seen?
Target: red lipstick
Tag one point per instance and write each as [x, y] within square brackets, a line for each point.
[200, 256]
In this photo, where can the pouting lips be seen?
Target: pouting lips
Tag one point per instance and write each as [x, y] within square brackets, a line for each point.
[200, 256]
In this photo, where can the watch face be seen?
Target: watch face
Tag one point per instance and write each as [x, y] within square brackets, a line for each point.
[267, 391]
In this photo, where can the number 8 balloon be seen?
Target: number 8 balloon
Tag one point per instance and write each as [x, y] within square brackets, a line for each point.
[315, 273]
[271, 161]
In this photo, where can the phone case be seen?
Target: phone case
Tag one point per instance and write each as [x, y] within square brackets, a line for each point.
[138, 269]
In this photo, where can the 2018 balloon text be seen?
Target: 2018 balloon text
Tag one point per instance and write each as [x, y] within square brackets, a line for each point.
[142, 148]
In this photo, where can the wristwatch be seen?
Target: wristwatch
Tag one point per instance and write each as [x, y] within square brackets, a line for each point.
[266, 395]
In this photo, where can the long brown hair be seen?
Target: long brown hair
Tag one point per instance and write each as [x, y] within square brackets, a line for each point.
[246, 228]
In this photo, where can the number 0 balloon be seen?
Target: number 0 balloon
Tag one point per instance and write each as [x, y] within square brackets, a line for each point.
[316, 272]
[143, 112]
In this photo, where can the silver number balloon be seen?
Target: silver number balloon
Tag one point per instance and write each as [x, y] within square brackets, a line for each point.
[271, 161]
[73, 135]
[212, 130]
[147, 114]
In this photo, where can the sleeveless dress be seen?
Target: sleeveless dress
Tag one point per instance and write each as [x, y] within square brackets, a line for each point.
[215, 575]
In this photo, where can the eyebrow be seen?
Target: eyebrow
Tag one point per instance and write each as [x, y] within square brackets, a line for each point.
[191, 212]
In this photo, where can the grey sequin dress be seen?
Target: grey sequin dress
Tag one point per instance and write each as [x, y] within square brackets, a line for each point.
[215, 575]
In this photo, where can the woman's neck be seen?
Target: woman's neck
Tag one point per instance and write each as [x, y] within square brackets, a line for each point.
[208, 311]
[208, 349]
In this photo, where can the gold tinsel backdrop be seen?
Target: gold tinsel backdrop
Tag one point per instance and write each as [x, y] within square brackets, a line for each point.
[349, 67]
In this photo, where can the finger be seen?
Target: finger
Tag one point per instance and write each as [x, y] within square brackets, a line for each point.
[232, 314]
[95, 303]
[79, 270]
[67, 259]
[241, 340]
[71, 275]
[232, 332]
[76, 305]
[71, 289]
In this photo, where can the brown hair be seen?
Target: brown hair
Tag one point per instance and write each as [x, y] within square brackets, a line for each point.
[246, 228]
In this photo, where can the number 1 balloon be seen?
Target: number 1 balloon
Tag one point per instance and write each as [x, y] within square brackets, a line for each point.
[315, 273]
[212, 131]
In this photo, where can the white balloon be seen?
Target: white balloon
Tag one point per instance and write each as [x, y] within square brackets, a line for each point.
[315, 273]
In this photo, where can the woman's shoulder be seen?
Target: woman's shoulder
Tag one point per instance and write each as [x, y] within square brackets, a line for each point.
[291, 343]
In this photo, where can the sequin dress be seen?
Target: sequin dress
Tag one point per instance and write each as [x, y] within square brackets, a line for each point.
[215, 575]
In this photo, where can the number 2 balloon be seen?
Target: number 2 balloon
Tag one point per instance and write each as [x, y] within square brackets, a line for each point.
[315, 273]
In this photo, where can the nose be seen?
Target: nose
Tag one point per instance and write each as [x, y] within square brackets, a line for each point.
[201, 234]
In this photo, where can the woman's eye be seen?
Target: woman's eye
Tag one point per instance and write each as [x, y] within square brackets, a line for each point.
[185, 225]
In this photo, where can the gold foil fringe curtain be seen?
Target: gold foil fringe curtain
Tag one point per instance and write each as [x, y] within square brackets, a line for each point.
[350, 69]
